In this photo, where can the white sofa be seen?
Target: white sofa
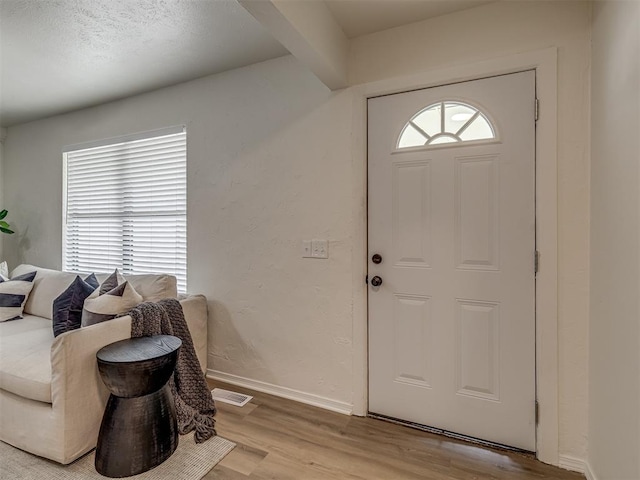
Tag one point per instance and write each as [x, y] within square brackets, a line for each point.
[51, 395]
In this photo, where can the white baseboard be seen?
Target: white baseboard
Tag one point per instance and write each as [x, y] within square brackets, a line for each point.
[572, 463]
[284, 392]
[588, 472]
[576, 465]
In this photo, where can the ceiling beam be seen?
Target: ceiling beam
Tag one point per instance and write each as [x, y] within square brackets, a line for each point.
[309, 31]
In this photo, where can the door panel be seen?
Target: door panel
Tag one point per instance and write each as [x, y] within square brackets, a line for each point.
[452, 327]
[411, 216]
[476, 212]
[412, 340]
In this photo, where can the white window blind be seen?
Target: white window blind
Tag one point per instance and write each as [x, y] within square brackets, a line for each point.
[126, 206]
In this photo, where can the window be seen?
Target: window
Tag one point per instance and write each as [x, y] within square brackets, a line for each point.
[446, 122]
[125, 205]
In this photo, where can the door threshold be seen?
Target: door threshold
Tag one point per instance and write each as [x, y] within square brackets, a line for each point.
[456, 436]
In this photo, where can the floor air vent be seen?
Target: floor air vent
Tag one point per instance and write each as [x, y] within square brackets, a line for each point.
[227, 396]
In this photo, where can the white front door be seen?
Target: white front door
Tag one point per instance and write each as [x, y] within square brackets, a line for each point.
[452, 215]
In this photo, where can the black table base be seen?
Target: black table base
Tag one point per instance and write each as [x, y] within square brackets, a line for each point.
[136, 434]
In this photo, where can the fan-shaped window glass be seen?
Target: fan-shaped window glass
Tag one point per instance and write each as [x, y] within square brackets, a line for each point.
[446, 122]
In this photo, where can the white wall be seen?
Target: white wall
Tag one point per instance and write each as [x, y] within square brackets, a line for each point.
[3, 133]
[614, 366]
[501, 29]
[268, 166]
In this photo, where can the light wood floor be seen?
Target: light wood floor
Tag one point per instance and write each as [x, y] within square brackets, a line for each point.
[281, 439]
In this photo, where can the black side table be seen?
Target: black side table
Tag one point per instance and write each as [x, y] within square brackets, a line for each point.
[139, 430]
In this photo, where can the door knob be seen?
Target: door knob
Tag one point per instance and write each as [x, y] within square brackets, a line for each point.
[376, 281]
[376, 258]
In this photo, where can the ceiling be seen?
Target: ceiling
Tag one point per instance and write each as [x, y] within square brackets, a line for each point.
[62, 55]
[360, 17]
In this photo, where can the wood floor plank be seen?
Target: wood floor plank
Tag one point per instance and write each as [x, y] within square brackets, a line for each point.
[243, 459]
[233, 410]
[282, 439]
[317, 444]
[220, 472]
[281, 468]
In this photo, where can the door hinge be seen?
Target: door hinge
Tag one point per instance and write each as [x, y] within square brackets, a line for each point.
[537, 109]
[537, 413]
[536, 262]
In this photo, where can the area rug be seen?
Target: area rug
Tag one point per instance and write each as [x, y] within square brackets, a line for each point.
[190, 461]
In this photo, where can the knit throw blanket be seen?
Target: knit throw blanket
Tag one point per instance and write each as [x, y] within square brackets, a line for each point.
[195, 408]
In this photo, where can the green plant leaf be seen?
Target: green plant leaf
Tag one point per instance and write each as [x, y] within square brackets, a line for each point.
[6, 230]
[4, 224]
[3, 214]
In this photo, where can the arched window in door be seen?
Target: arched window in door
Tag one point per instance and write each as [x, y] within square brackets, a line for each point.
[446, 122]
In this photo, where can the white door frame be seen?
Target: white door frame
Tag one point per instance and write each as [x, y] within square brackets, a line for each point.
[544, 62]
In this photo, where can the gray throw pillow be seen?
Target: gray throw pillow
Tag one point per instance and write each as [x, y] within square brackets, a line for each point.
[92, 280]
[67, 307]
[111, 282]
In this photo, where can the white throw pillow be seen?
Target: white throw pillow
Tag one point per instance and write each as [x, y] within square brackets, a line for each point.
[109, 305]
[4, 271]
[14, 294]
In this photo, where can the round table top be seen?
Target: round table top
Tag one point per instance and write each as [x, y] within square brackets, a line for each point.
[139, 349]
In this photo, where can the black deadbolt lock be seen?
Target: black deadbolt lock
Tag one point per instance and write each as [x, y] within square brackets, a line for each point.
[376, 258]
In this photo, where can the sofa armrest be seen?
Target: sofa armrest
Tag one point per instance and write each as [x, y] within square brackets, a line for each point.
[195, 313]
[73, 358]
[77, 392]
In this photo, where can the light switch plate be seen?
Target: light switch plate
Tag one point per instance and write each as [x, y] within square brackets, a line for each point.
[306, 249]
[319, 249]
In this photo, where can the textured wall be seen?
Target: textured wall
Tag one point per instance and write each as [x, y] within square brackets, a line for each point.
[268, 166]
[2, 180]
[499, 29]
[614, 366]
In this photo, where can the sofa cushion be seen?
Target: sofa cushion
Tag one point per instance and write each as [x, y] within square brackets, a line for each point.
[48, 285]
[107, 306]
[67, 308]
[152, 287]
[14, 294]
[25, 357]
